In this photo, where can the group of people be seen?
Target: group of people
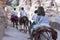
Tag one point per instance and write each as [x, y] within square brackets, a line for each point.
[41, 25]
[40, 19]
[23, 19]
[39, 16]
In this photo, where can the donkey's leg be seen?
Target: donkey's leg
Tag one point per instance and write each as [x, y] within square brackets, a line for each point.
[13, 24]
[25, 26]
[21, 27]
[25, 29]
[16, 24]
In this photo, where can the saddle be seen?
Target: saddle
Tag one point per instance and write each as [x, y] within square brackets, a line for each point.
[14, 17]
[24, 17]
[40, 30]
[45, 29]
[23, 20]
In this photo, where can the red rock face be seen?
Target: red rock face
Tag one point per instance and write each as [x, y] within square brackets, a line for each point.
[3, 3]
[2, 18]
[2, 22]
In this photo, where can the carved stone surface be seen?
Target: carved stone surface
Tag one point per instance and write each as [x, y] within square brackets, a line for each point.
[2, 22]
[3, 3]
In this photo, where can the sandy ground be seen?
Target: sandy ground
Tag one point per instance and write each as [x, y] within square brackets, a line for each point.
[14, 34]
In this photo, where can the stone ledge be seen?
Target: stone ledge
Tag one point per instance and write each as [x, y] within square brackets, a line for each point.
[55, 25]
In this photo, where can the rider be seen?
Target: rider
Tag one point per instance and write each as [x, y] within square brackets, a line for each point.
[22, 12]
[14, 13]
[22, 16]
[34, 16]
[34, 20]
[15, 16]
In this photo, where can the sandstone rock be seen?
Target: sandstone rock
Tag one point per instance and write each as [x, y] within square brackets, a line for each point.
[3, 22]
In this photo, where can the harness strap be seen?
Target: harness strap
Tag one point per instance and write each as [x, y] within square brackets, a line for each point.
[45, 36]
[48, 36]
[46, 32]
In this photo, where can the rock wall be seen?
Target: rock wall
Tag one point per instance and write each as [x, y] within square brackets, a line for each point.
[3, 17]
[3, 22]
